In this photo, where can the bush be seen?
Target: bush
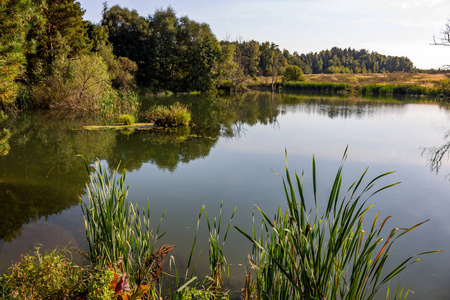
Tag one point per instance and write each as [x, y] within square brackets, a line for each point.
[293, 73]
[77, 84]
[126, 119]
[174, 115]
[53, 276]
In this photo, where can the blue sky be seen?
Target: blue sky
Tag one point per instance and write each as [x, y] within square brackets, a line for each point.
[391, 27]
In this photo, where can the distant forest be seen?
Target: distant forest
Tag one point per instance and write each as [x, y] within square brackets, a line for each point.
[51, 57]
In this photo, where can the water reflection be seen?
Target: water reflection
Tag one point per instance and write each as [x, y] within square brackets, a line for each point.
[438, 155]
[42, 176]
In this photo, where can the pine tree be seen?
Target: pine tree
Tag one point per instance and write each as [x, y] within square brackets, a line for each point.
[15, 16]
[61, 30]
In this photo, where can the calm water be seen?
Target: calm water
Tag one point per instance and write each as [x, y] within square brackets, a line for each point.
[229, 156]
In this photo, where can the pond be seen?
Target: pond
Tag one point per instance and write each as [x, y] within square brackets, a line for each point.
[233, 155]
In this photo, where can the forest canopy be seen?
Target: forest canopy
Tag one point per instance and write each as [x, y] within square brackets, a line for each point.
[44, 45]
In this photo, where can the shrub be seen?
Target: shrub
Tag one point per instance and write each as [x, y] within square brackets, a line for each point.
[76, 84]
[293, 73]
[126, 119]
[175, 114]
[48, 276]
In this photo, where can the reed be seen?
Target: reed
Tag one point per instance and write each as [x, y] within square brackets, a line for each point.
[333, 253]
[320, 87]
[117, 232]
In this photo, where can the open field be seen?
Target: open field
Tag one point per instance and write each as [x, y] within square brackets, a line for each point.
[422, 79]
[386, 84]
[356, 80]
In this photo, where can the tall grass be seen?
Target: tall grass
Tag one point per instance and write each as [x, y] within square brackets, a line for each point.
[333, 253]
[386, 90]
[117, 232]
[321, 87]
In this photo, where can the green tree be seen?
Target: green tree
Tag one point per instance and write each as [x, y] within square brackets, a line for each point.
[200, 55]
[165, 51]
[15, 16]
[121, 70]
[129, 35]
[61, 29]
[293, 73]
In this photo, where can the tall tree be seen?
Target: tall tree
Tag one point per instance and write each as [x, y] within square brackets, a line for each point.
[129, 35]
[15, 16]
[61, 30]
[200, 55]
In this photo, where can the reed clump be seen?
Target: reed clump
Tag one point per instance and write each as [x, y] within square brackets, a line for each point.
[330, 253]
[117, 232]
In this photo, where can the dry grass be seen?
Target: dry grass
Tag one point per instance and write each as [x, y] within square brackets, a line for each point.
[422, 79]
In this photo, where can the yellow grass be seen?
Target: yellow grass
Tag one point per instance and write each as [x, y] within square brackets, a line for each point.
[422, 79]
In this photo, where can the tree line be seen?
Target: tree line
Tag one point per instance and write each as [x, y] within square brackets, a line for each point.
[51, 57]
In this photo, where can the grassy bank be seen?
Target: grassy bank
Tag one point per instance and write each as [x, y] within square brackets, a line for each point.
[372, 85]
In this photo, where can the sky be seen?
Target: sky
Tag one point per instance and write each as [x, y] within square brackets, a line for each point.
[390, 27]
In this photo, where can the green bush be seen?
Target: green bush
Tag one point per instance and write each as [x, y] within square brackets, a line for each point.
[126, 119]
[293, 73]
[175, 114]
[53, 276]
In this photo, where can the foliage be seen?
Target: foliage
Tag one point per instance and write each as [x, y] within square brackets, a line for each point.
[15, 16]
[118, 232]
[337, 60]
[53, 276]
[175, 114]
[126, 119]
[84, 84]
[121, 69]
[184, 54]
[312, 253]
[293, 73]
[60, 26]
[75, 83]
[5, 134]
[48, 276]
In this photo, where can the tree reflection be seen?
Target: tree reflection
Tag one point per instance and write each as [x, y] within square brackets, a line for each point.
[436, 155]
[42, 175]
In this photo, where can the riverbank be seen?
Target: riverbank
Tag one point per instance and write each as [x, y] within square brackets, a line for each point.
[374, 85]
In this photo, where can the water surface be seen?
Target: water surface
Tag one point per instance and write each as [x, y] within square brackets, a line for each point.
[231, 156]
